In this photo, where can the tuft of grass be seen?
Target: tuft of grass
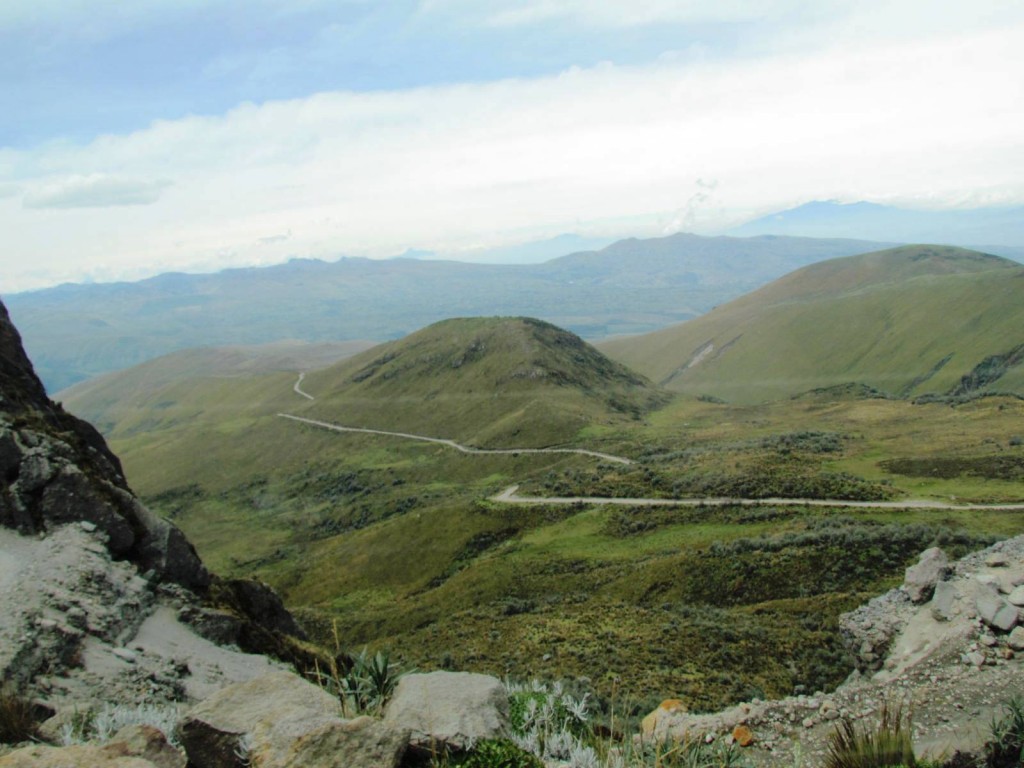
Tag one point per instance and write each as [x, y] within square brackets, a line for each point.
[101, 725]
[886, 746]
[18, 721]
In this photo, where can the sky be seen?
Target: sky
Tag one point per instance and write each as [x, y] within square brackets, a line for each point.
[158, 135]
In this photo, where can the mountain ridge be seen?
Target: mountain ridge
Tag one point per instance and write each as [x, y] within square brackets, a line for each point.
[907, 321]
[76, 332]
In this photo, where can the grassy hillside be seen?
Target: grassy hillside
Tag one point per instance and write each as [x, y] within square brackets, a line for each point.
[74, 332]
[396, 543]
[137, 399]
[486, 381]
[906, 321]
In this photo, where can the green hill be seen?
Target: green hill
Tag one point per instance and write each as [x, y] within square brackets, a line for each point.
[173, 387]
[486, 381]
[906, 321]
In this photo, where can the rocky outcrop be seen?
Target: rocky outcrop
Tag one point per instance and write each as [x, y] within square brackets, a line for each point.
[948, 660]
[57, 469]
[449, 709]
[101, 601]
[281, 721]
[869, 631]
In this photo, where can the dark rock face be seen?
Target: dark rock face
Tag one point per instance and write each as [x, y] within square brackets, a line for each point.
[56, 469]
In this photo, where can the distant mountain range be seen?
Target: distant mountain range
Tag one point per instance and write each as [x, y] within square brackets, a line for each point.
[533, 252]
[993, 230]
[75, 332]
[905, 321]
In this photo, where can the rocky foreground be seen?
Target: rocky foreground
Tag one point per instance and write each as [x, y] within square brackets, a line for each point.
[947, 646]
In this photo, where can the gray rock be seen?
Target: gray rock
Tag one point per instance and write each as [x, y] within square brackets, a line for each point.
[974, 658]
[920, 579]
[1016, 639]
[997, 560]
[1016, 597]
[452, 709]
[267, 715]
[944, 601]
[360, 743]
[996, 611]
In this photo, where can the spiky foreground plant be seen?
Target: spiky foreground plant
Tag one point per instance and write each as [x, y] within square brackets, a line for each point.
[886, 746]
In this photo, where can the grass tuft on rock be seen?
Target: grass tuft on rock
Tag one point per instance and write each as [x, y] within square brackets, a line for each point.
[886, 746]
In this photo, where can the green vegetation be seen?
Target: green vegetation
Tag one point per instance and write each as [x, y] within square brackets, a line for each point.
[907, 321]
[364, 682]
[382, 542]
[490, 753]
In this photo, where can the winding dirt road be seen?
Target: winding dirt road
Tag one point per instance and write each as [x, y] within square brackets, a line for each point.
[298, 388]
[455, 445]
[509, 495]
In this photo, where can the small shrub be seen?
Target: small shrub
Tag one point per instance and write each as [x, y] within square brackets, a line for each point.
[886, 746]
[17, 719]
[367, 681]
[551, 723]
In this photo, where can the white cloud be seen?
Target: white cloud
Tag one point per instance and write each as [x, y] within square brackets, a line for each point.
[444, 166]
[96, 191]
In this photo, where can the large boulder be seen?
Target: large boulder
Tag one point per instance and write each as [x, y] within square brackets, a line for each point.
[920, 579]
[360, 743]
[282, 721]
[449, 709]
[255, 721]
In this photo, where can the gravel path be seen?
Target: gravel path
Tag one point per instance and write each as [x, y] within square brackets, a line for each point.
[509, 496]
[453, 444]
[299, 390]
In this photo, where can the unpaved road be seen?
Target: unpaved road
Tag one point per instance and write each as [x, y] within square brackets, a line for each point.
[298, 388]
[453, 444]
[509, 496]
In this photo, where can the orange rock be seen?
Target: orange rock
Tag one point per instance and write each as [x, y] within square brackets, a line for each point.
[742, 736]
[667, 708]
